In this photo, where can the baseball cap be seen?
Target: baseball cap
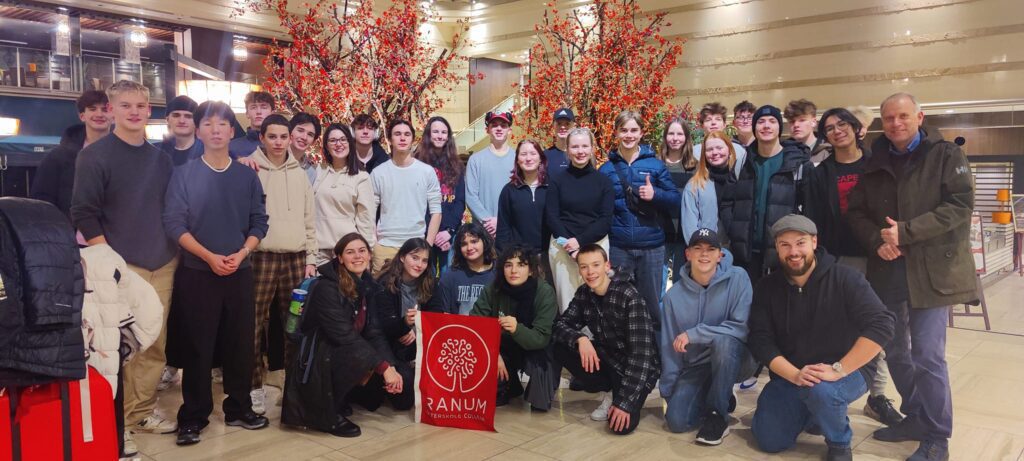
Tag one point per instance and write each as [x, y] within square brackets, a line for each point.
[794, 222]
[705, 235]
[506, 116]
[565, 113]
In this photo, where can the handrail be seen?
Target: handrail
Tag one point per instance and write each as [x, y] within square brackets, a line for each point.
[477, 126]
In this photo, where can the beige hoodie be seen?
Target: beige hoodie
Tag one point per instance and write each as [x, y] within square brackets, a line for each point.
[289, 202]
[344, 204]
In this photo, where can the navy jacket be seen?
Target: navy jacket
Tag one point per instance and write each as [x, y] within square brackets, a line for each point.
[628, 229]
[521, 217]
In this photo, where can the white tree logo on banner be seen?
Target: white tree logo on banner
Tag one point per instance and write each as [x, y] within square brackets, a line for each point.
[457, 353]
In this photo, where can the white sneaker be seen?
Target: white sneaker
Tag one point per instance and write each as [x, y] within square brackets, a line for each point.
[218, 375]
[749, 384]
[259, 400]
[130, 449]
[601, 413]
[156, 424]
[168, 378]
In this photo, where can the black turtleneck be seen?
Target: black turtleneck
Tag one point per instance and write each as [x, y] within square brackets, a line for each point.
[580, 204]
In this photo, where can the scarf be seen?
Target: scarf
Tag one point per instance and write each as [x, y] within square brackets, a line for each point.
[524, 296]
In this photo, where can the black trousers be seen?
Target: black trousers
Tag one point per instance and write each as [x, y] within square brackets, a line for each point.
[372, 395]
[603, 380]
[119, 408]
[539, 364]
[214, 315]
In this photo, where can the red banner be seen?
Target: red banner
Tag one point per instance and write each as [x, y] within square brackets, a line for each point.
[456, 370]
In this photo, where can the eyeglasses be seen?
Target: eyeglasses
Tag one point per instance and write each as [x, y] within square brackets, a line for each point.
[840, 125]
[337, 141]
[744, 118]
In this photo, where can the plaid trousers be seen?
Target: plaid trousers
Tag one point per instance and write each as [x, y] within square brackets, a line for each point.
[276, 275]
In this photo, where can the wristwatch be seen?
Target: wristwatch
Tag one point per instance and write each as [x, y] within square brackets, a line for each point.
[838, 368]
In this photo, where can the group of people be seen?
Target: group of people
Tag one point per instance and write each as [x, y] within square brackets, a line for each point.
[823, 259]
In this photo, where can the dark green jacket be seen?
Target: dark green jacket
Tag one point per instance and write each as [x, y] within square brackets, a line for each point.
[932, 202]
[491, 302]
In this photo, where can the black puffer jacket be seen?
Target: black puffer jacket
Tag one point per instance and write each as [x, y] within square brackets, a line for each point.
[56, 173]
[49, 342]
[785, 196]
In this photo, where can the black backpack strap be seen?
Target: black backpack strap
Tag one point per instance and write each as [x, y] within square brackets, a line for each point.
[15, 427]
[626, 187]
[65, 418]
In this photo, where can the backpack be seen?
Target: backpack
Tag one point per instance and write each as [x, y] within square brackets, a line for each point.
[294, 322]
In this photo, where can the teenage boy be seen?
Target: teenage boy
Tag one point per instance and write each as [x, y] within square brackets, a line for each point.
[216, 214]
[564, 122]
[816, 325]
[912, 211]
[56, 173]
[405, 190]
[618, 356]
[769, 187]
[368, 149]
[712, 118]
[118, 199]
[743, 121]
[802, 116]
[489, 170]
[182, 146]
[258, 106]
[704, 350]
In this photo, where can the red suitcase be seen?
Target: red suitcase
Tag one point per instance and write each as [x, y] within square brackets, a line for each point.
[49, 424]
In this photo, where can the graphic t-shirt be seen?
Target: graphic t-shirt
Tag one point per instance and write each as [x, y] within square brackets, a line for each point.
[847, 176]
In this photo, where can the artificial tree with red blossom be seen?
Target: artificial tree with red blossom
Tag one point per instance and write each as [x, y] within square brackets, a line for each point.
[600, 59]
[343, 59]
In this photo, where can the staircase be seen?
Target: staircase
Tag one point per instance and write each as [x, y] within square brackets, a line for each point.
[474, 137]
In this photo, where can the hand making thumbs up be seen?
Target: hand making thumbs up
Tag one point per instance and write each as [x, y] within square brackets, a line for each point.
[891, 235]
[647, 190]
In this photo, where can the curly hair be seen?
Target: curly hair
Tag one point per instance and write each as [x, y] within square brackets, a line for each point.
[476, 230]
[445, 159]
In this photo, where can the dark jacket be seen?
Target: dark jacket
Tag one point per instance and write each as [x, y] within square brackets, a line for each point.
[55, 176]
[521, 217]
[453, 205]
[580, 204]
[338, 355]
[819, 322]
[47, 320]
[244, 146]
[493, 303]
[821, 205]
[784, 197]
[622, 333]
[389, 317]
[379, 156]
[932, 201]
[670, 221]
[628, 229]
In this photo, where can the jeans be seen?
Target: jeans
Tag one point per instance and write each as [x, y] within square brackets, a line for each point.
[675, 257]
[917, 363]
[645, 267]
[784, 410]
[701, 388]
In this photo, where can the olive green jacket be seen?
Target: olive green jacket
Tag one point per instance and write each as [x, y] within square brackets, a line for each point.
[491, 303]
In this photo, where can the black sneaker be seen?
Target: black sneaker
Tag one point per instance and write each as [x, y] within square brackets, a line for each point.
[714, 429]
[839, 454]
[345, 428]
[931, 451]
[188, 434]
[902, 432]
[880, 409]
[732, 402]
[248, 420]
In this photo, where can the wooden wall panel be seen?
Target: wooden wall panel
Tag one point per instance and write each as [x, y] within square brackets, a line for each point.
[499, 76]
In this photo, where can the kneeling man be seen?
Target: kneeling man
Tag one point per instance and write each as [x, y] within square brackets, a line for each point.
[817, 326]
[619, 353]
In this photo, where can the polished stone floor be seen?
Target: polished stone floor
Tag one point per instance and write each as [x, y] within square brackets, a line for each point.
[987, 378]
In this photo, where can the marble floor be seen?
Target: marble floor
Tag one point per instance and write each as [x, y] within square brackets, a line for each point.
[987, 378]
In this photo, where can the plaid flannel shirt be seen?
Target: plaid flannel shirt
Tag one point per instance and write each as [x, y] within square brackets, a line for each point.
[623, 335]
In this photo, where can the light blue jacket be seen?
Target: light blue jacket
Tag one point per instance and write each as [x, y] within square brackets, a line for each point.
[699, 208]
[720, 309]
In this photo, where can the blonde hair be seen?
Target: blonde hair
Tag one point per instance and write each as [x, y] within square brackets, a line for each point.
[583, 131]
[126, 86]
[700, 178]
[626, 116]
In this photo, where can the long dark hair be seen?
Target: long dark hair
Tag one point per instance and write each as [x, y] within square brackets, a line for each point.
[346, 283]
[521, 252]
[445, 159]
[517, 178]
[689, 162]
[351, 162]
[391, 275]
[477, 230]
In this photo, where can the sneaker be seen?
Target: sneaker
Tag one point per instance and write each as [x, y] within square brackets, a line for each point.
[155, 424]
[168, 378]
[218, 375]
[130, 449]
[601, 413]
[714, 429]
[188, 434]
[259, 400]
[902, 432]
[749, 384]
[839, 454]
[249, 420]
[880, 409]
[931, 451]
